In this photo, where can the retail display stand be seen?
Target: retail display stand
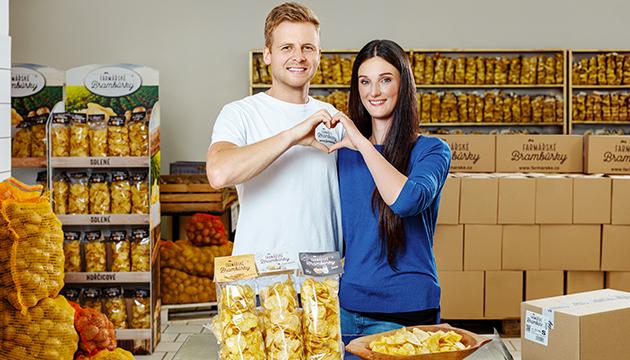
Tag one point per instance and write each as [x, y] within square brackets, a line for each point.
[127, 93]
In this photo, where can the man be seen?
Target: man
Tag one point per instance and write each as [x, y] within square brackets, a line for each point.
[265, 145]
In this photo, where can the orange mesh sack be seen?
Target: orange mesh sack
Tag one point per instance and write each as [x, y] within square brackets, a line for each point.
[205, 230]
[95, 330]
[184, 256]
[181, 288]
[31, 246]
[117, 354]
[45, 331]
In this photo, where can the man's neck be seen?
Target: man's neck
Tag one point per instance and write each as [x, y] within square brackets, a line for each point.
[289, 94]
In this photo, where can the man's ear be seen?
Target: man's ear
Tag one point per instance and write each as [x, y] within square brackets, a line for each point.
[267, 55]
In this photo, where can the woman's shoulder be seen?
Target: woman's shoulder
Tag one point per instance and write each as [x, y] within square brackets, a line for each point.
[426, 144]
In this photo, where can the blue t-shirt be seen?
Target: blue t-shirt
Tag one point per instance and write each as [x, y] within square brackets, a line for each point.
[368, 283]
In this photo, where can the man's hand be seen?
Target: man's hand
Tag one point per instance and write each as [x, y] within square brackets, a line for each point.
[352, 138]
[304, 132]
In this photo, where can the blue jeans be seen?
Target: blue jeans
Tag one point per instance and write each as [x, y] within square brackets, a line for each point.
[355, 325]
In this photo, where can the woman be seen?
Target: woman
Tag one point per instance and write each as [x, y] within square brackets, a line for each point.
[390, 183]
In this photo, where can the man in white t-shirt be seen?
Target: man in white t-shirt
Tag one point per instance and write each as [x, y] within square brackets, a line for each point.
[265, 145]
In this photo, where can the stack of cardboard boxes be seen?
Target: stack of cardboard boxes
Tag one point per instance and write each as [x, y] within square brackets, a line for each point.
[507, 237]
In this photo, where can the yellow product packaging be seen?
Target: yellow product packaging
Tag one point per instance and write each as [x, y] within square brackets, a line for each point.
[140, 309]
[120, 190]
[116, 354]
[92, 298]
[21, 142]
[79, 193]
[38, 132]
[61, 190]
[115, 307]
[60, 135]
[72, 251]
[31, 246]
[240, 329]
[79, 135]
[117, 136]
[45, 331]
[95, 252]
[320, 302]
[97, 124]
[140, 250]
[460, 70]
[139, 132]
[120, 251]
[139, 194]
[99, 193]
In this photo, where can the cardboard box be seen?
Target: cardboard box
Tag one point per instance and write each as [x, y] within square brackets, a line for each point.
[620, 208]
[587, 326]
[521, 247]
[471, 153]
[504, 293]
[616, 248]
[581, 281]
[591, 200]
[554, 200]
[607, 154]
[618, 280]
[448, 247]
[478, 200]
[517, 200]
[462, 294]
[570, 247]
[543, 284]
[539, 153]
[448, 212]
[482, 247]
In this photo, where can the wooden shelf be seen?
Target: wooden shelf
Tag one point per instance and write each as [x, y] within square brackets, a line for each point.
[29, 163]
[312, 86]
[424, 124]
[491, 51]
[107, 277]
[600, 87]
[100, 162]
[108, 219]
[133, 334]
[506, 86]
[626, 123]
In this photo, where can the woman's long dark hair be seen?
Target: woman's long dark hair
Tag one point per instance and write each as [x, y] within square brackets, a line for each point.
[399, 139]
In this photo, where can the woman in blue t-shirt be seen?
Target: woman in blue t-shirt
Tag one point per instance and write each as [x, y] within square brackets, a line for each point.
[390, 183]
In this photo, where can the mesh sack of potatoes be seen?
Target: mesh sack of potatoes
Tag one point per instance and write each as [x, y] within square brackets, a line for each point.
[31, 246]
[95, 331]
[116, 354]
[206, 229]
[418, 68]
[184, 256]
[45, 331]
[181, 288]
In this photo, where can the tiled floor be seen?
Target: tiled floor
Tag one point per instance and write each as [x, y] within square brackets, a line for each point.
[176, 332]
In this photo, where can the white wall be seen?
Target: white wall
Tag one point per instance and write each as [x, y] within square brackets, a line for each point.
[5, 92]
[201, 46]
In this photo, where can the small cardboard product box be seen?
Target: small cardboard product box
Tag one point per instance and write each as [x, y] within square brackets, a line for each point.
[504, 293]
[570, 247]
[618, 280]
[587, 326]
[620, 207]
[521, 247]
[478, 199]
[554, 200]
[462, 294]
[607, 154]
[448, 212]
[543, 283]
[471, 152]
[517, 200]
[448, 247]
[482, 247]
[581, 281]
[591, 200]
[539, 153]
[616, 248]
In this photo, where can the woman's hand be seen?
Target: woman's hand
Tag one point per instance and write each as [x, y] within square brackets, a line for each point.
[352, 138]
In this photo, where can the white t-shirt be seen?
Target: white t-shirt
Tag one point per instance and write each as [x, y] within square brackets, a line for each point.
[293, 205]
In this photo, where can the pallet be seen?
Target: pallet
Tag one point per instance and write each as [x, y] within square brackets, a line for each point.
[181, 194]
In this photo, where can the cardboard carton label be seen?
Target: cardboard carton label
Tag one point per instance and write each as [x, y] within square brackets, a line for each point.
[536, 328]
[471, 153]
[232, 268]
[321, 264]
[608, 154]
[539, 153]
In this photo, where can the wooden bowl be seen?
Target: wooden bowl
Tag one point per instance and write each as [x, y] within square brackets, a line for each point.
[360, 346]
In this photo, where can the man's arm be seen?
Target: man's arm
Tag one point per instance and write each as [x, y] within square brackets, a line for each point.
[228, 164]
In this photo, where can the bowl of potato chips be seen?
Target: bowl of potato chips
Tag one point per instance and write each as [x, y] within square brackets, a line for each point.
[418, 342]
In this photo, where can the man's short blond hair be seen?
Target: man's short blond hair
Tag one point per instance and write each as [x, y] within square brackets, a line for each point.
[291, 12]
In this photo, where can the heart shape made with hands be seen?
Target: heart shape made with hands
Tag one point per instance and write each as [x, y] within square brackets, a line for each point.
[328, 136]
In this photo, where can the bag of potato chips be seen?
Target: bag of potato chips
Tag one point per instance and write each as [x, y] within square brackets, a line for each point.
[240, 331]
[320, 302]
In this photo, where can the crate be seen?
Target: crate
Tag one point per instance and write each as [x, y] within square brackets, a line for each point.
[180, 194]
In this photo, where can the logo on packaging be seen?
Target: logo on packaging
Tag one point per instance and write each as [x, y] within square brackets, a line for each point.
[112, 81]
[620, 153]
[26, 82]
[539, 151]
[461, 152]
